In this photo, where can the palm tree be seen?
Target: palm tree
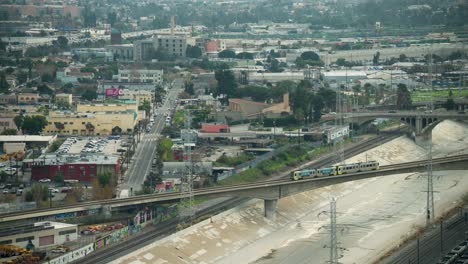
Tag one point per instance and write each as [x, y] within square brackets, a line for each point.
[60, 126]
[89, 128]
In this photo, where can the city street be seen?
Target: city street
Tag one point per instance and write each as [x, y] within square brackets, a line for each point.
[141, 160]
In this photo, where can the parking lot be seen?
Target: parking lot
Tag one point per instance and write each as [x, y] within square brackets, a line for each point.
[106, 145]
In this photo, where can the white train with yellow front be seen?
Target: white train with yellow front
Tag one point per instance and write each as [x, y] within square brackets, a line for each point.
[335, 170]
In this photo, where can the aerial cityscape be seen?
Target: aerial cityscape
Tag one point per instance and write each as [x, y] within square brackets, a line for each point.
[243, 131]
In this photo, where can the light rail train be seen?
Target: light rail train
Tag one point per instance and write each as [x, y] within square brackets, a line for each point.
[335, 170]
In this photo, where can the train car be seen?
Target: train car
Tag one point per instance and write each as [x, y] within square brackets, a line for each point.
[369, 165]
[326, 171]
[299, 175]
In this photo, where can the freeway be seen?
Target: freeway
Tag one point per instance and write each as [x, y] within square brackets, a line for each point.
[141, 161]
[252, 190]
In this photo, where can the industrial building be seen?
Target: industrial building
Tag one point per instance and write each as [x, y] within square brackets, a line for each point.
[80, 167]
[40, 234]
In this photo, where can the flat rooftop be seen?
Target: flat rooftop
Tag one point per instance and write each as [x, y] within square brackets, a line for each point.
[27, 138]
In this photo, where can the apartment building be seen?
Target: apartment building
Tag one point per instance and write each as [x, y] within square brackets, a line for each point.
[140, 76]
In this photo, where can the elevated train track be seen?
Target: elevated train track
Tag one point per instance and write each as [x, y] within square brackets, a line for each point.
[250, 190]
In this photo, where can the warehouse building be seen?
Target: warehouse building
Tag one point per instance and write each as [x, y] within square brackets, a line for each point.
[40, 234]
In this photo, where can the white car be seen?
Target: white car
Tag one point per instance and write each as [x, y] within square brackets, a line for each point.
[44, 180]
[54, 190]
[9, 169]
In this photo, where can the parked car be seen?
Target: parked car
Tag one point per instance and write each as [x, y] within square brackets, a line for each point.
[58, 250]
[54, 190]
[9, 169]
[44, 180]
[6, 191]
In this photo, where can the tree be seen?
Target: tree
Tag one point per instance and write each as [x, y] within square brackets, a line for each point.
[60, 126]
[227, 54]
[44, 89]
[308, 58]
[4, 85]
[227, 84]
[189, 88]
[245, 56]
[19, 121]
[22, 77]
[47, 77]
[403, 98]
[163, 149]
[9, 131]
[90, 128]
[62, 42]
[450, 104]
[310, 55]
[89, 95]
[40, 193]
[402, 58]
[146, 106]
[455, 55]
[193, 52]
[375, 59]
[112, 18]
[33, 125]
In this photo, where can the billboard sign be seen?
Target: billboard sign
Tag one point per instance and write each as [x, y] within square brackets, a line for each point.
[114, 92]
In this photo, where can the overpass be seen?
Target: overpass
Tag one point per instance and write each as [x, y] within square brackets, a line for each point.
[417, 119]
[269, 191]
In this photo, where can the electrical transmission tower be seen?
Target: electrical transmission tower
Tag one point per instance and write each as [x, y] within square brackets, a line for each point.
[333, 238]
[187, 210]
[338, 146]
[430, 185]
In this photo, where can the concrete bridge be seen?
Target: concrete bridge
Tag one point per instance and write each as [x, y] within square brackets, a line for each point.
[417, 119]
[269, 191]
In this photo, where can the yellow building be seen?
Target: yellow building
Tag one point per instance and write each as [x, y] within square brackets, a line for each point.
[91, 124]
[28, 98]
[64, 98]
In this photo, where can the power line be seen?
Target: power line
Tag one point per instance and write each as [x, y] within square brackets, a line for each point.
[187, 210]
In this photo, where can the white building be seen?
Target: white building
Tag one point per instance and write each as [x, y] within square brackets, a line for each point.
[335, 134]
[41, 234]
[140, 76]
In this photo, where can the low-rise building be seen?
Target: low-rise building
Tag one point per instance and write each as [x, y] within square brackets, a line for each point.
[99, 123]
[27, 98]
[335, 134]
[64, 98]
[94, 53]
[6, 122]
[40, 234]
[80, 167]
[140, 75]
[8, 99]
[92, 108]
[122, 52]
[72, 75]
[137, 95]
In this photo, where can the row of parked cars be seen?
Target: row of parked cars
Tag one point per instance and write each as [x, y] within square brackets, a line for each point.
[10, 189]
[65, 147]
[95, 146]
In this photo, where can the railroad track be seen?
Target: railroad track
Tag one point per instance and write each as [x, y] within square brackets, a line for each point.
[173, 196]
[429, 244]
[120, 249]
